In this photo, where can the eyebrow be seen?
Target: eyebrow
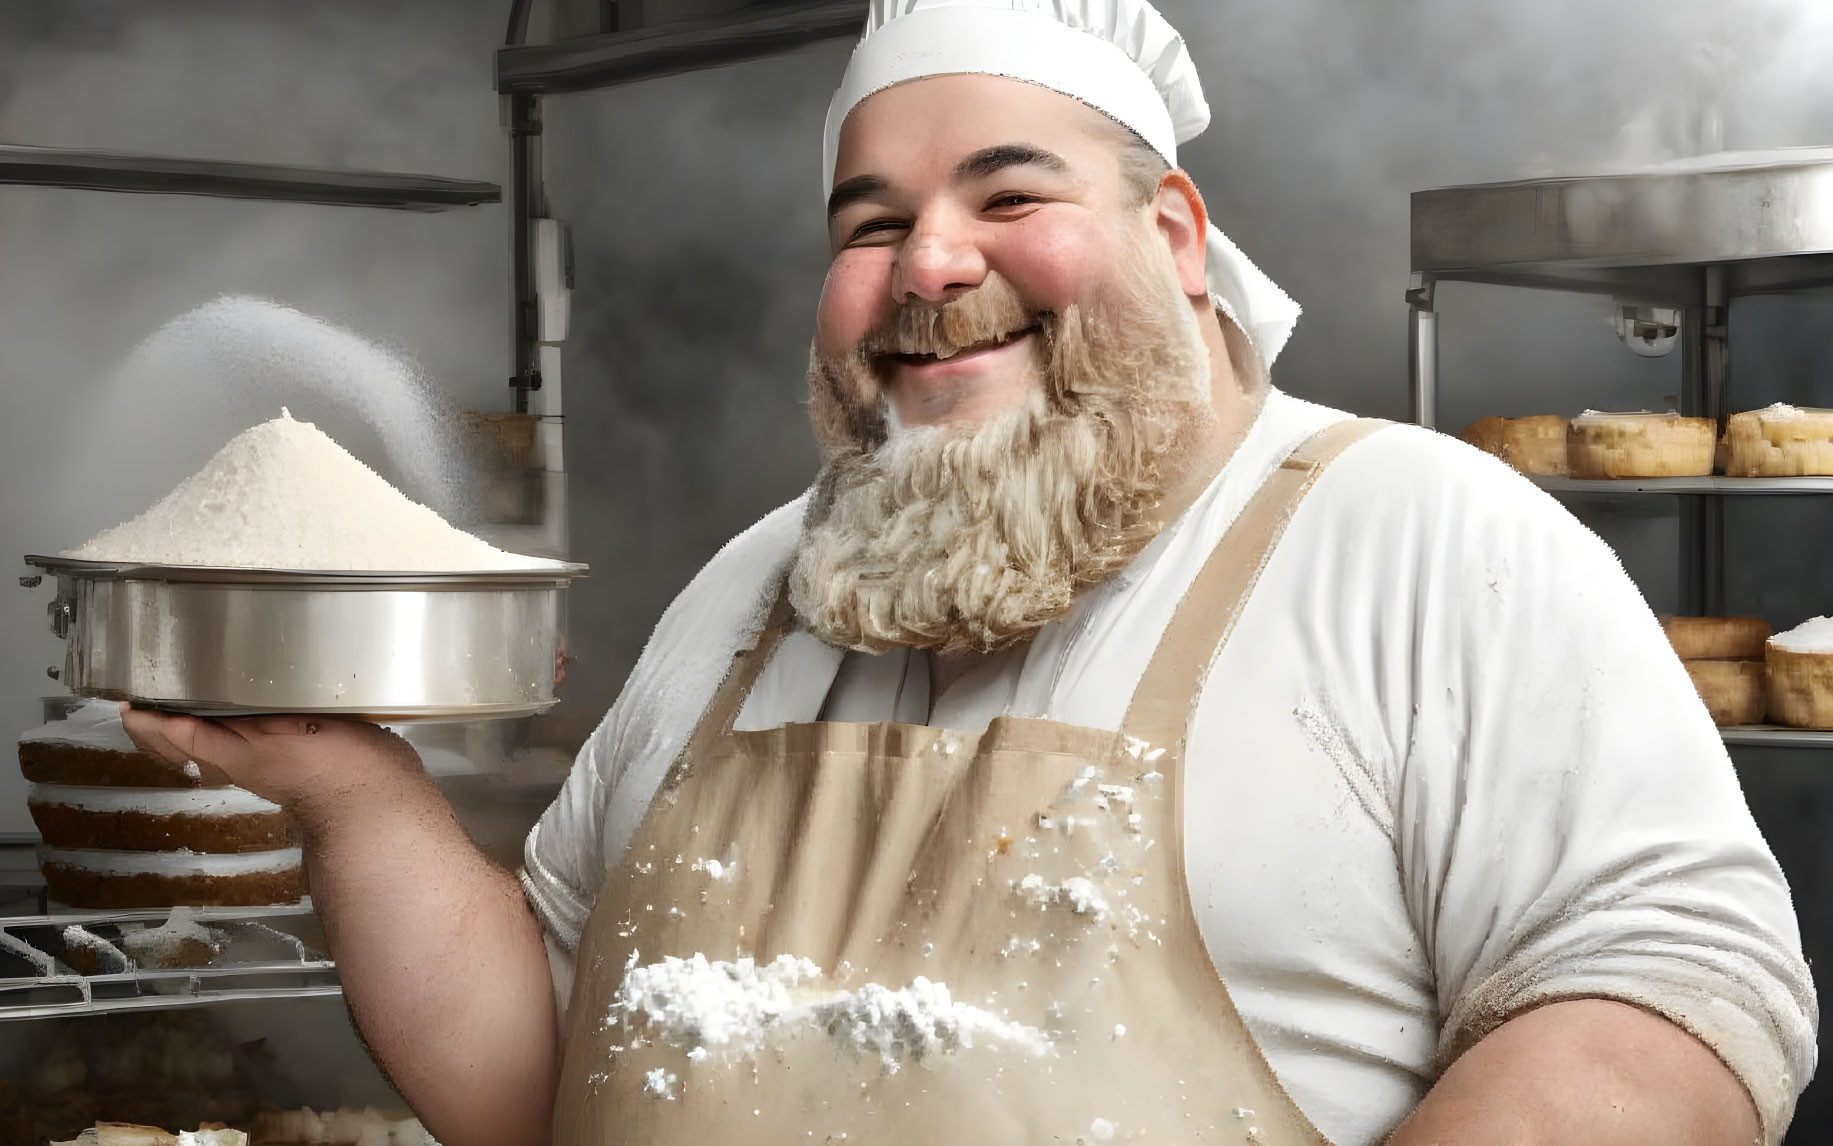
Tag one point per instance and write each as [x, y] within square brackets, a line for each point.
[987, 161]
[853, 190]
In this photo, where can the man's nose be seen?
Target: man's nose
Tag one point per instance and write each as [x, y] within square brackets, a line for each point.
[936, 262]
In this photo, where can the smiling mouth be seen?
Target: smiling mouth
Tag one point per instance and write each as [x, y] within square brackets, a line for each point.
[975, 348]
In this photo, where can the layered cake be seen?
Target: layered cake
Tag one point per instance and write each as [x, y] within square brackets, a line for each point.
[1640, 445]
[157, 819]
[1779, 441]
[1800, 670]
[90, 747]
[129, 880]
[1534, 445]
[126, 830]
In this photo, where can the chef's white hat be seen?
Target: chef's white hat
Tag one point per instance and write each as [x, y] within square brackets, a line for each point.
[1118, 56]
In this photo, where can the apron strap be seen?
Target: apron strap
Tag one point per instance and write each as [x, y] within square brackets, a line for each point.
[747, 665]
[1162, 706]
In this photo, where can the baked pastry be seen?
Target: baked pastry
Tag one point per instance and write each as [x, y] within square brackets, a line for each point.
[181, 941]
[155, 819]
[130, 880]
[90, 747]
[1641, 445]
[1779, 441]
[87, 953]
[1732, 689]
[1533, 445]
[337, 1128]
[1716, 638]
[1800, 672]
[130, 1134]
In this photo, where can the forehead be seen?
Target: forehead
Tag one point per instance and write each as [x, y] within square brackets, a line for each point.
[930, 123]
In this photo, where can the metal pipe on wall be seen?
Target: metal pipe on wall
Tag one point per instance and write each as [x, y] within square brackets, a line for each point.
[1422, 351]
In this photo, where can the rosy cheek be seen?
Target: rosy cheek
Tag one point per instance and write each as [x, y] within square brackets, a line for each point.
[1053, 260]
[853, 299]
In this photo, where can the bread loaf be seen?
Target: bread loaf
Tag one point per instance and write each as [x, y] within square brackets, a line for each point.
[1716, 638]
[1640, 445]
[1779, 441]
[1533, 445]
[1800, 671]
[1732, 689]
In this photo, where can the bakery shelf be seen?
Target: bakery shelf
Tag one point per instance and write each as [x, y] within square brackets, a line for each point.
[1775, 736]
[1689, 236]
[1726, 485]
[257, 960]
[168, 175]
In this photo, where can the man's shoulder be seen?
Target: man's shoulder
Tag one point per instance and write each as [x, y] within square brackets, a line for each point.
[1403, 468]
[736, 588]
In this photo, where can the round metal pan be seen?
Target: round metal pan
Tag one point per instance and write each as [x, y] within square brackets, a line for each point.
[389, 646]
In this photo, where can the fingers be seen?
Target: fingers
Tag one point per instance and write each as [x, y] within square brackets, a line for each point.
[153, 733]
[181, 739]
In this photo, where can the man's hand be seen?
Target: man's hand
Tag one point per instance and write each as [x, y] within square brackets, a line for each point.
[441, 959]
[1587, 1070]
[308, 765]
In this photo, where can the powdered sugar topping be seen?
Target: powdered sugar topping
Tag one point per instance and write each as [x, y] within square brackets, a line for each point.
[730, 1010]
[1811, 636]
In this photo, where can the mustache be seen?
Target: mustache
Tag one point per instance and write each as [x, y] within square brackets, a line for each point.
[991, 312]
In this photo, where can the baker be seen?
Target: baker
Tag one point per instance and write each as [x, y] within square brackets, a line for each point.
[1109, 747]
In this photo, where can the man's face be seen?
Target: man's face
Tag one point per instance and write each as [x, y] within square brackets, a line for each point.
[1008, 376]
[951, 185]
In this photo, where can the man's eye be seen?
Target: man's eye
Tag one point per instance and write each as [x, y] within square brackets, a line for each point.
[1012, 199]
[866, 230]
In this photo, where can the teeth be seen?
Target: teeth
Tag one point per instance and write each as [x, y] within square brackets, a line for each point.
[944, 355]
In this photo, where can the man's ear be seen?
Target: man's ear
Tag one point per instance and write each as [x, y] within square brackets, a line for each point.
[1184, 222]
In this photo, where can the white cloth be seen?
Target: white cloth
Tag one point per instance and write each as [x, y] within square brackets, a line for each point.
[1446, 766]
[1121, 57]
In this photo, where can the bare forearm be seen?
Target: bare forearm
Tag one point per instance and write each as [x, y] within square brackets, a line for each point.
[442, 962]
[1591, 1071]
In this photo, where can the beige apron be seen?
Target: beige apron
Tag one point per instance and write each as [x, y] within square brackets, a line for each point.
[1007, 949]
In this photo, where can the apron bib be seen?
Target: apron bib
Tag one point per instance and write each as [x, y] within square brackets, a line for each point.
[888, 933]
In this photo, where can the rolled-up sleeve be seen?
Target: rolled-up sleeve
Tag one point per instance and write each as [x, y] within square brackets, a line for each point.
[563, 857]
[1570, 824]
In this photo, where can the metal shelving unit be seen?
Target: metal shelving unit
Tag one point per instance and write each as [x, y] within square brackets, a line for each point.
[1775, 736]
[258, 959]
[1688, 237]
[1685, 485]
[164, 175]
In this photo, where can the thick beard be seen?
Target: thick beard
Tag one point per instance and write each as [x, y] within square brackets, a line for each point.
[956, 537]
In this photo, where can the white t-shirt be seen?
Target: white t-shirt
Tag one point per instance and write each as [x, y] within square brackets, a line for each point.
[1447, 766]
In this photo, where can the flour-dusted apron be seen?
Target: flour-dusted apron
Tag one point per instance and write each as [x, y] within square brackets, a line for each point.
[1006, 949]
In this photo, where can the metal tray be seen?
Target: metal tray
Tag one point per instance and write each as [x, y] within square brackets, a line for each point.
[384, 646]
[1640, 234]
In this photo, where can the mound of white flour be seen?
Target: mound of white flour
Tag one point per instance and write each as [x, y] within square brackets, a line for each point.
[711, 1006]
[283, 495]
